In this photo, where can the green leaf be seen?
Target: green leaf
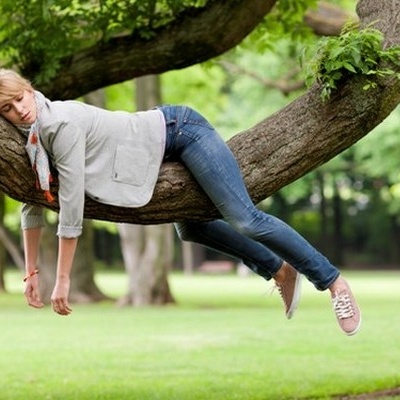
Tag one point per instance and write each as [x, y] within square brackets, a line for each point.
[355, 51]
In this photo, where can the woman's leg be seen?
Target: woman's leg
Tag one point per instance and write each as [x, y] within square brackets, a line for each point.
[213, 165]
[206, 155]
[220, 236]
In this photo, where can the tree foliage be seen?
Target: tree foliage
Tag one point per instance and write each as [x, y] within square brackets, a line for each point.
[38, 34]
[41, 36]
[355, 52]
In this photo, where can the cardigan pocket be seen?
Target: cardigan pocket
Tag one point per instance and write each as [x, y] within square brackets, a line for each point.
[131, 165]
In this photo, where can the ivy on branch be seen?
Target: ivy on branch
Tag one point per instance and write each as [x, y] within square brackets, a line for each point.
[355, 51]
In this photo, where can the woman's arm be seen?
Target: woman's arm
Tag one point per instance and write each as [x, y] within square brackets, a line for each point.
[67, 150]
[66, 253]
[31, 248]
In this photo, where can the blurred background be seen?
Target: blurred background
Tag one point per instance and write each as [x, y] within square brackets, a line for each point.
[348, 208]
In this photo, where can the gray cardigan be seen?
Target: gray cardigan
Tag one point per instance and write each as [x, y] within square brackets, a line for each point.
[113, 157]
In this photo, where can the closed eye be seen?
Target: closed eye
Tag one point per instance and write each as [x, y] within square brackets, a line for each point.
[5, 108]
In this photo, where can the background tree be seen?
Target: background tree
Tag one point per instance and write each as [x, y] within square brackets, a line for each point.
[288, 144]
[147, 250]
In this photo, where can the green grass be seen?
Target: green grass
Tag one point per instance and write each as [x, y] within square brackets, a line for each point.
[226, 339]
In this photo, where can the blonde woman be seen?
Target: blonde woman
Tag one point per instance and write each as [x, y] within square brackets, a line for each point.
[115, 157]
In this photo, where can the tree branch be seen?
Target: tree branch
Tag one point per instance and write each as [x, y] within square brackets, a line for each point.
[275, 152]
[286, 84]
[200, 34]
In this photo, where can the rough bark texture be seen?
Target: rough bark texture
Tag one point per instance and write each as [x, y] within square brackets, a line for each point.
[197, 36]
[275, 152]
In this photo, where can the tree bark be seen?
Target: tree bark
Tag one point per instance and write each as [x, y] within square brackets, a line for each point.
[198, 35]
[144, 249]
[280, 149]
[3, 252]
[13, 249]
[83, 286]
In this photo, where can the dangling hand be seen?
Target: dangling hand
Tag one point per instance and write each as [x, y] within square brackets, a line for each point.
[59, 297]
[31, 292]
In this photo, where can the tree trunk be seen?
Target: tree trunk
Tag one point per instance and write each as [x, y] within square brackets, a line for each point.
[187, 258]
[83, 288]
[324, 241]
[144, 249]
[337, 256]
[147, 250]
[3, 252]
[394, 240]
[48, 261]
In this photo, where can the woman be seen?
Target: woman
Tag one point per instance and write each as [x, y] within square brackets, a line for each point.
[124, 151]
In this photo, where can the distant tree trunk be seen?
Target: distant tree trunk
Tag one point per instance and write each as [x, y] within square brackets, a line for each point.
[3, 252]
[323, 243]
[83, 287]
[394, 240]
[8, 247]
[48, 261]
[13, 249]
[147, 250]
[187, 258]
[337, 255]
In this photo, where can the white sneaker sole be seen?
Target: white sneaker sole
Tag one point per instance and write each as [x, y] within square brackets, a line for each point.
[353, 332]
[296, 296]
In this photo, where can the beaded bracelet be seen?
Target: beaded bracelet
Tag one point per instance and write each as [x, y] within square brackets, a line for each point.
[33, 273]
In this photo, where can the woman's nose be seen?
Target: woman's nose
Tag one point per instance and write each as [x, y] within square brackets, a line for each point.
[19, 108]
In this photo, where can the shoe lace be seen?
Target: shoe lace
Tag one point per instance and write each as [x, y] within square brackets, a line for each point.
[275, 288]
[280, 289]
[343, 306]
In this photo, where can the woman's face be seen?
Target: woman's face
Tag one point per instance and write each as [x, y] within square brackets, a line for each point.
[21, 109]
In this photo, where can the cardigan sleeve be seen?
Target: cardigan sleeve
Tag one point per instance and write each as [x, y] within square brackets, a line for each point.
[68, 155]
[31, 217]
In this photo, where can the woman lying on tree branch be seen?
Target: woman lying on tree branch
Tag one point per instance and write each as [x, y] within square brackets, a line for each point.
[115, 157]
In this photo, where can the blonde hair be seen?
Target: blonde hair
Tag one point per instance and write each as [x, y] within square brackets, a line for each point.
[12, 84]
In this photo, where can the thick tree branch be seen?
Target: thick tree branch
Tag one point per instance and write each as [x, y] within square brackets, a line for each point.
[275, 152]
[13, 249]
[197, 36]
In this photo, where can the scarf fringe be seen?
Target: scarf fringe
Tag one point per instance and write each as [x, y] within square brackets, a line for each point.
[48, 196]
[47, 193]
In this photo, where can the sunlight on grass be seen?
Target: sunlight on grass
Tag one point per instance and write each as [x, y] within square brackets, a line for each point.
[226, 338]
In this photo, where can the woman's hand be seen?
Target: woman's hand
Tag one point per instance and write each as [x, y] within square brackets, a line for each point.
[59, 297]
[31, 292]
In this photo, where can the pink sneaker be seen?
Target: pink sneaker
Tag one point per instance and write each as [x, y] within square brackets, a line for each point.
[290, 289]
[346, 309]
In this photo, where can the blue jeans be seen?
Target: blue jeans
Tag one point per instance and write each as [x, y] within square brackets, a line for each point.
[260, 240]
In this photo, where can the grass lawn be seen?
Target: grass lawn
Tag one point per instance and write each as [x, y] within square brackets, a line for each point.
[227, 338]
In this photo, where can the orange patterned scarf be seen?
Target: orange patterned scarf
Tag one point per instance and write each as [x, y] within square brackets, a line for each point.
[37, 153]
